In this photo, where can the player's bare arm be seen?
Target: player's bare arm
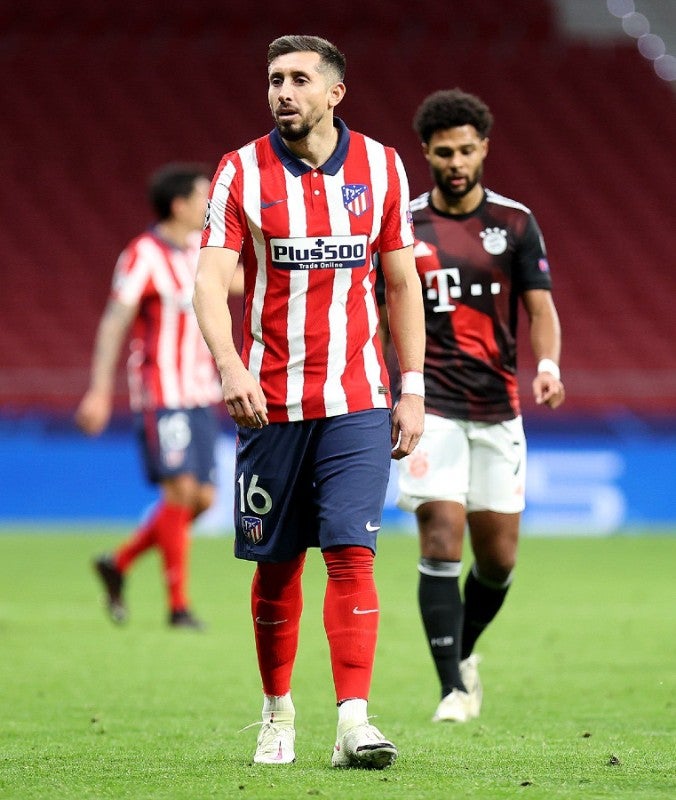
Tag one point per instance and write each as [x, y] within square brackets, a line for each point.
[243, 396]
[406, 322]
[93, 413]
[545, 339]
[384, 333]
[236, 288]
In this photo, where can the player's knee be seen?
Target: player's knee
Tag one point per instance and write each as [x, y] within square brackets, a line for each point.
[344, 563]
[442, 531]
[184, 490]
[496, 571]
[440, 541]
[204, 498]
[440, 548]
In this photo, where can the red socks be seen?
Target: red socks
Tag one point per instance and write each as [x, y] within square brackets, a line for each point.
[167, 529]
[350, 619]
[172, 525]
[276, 606]
[351, 616]
[143, 539]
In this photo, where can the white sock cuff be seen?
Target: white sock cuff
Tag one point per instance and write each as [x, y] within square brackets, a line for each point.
[492, 584]
[440, 569]
[352, 711]
[277, 703]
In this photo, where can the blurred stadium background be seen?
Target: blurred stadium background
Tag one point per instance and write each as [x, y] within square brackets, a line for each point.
[97, 94]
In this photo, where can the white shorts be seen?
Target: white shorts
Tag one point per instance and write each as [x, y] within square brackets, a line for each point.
[481, 465]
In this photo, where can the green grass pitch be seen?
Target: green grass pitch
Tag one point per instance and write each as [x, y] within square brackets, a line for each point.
[579, 676]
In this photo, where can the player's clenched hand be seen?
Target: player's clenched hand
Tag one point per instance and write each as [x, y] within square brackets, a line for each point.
[548, 390]
[243, 396]
[408, 421]
[93, 413]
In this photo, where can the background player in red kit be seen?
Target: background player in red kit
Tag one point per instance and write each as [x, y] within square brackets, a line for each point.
[477, 254]
[173, 383]
[308, 206]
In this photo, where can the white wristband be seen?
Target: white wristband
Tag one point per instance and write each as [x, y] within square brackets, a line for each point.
[547, 365]
[413, 383]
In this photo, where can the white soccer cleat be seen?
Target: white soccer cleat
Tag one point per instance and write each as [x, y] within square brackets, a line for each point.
[363, 746]
[454, 707]
[469, 671]
[275, 744]
[459, 706]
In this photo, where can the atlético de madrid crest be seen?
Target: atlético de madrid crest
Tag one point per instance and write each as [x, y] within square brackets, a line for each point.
[356, 198]
[252, 528]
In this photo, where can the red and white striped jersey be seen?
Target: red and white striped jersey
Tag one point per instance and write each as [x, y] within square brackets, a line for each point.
[307, 239]
[169, 364]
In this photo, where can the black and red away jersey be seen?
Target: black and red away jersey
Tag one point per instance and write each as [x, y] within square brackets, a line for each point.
[473, 268]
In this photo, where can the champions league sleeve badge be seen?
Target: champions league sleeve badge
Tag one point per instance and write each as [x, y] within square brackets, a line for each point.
[356, 198]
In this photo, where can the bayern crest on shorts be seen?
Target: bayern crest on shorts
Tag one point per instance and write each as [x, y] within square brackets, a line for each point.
[356, 198]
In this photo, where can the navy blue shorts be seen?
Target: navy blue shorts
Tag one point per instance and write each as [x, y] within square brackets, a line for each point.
[178, 442]
[315, 483]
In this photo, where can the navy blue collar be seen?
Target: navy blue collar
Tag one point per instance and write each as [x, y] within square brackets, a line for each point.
[297, 167]
[154, 231]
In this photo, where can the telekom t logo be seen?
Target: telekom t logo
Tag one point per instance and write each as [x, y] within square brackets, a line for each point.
[443, 285]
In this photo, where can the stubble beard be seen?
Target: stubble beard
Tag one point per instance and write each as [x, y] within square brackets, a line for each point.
[452, 195]
[292, 132]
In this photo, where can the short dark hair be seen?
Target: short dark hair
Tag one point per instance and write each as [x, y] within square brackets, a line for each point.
[172, 181]
[330, 55]
[451, 108]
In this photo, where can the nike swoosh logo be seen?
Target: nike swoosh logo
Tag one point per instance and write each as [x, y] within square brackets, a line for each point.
[357, 610]
[272, 203]
[371, 528]
[260, 621]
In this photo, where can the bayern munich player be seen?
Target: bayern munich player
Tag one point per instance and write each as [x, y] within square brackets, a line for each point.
[173, 384]
[478, 255]
[309, 206]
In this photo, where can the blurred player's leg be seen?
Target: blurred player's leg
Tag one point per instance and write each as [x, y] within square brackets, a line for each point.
[113, 583]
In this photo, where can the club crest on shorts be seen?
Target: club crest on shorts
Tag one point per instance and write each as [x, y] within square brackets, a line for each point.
[173, 458]
[252, 527]
[356, 198]
[418, 463]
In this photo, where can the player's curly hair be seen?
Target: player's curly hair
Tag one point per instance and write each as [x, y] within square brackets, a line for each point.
[330, 55]
[450, 108]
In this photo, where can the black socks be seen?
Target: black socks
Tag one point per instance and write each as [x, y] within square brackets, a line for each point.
[442, 615]
[483, 600]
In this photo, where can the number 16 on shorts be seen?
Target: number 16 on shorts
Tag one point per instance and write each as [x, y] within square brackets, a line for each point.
[252, 498]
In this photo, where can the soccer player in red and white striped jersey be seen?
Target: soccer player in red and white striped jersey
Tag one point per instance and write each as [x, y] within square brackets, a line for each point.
[173, 383]
[309, 207]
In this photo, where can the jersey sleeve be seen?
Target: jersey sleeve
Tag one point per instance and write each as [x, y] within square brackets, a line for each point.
[223, 226]
[531, 258]
[132, 276]
[397, 227]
